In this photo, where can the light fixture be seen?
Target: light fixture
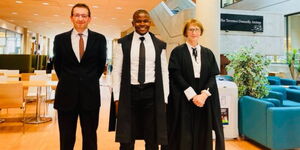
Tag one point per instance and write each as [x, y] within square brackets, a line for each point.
[71, 5]
[119, 8]
[14, 13]
[36, 14]
[55, 15]
[19, 2]
[95, 6]
[45, 3]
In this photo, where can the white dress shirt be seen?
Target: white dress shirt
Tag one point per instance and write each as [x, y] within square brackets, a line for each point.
[149, 60]
[190, 92]
[75, 41]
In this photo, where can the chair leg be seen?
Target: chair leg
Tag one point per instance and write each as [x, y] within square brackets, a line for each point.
[24, 109]
[1, 120]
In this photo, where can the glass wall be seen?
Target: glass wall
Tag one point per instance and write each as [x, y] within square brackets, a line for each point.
[10, 42]
[293, 40]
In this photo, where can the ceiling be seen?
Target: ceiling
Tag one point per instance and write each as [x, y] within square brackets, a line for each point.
[50, 17]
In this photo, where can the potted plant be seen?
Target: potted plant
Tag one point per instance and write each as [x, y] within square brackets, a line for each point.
[250, 72]
[293, 63]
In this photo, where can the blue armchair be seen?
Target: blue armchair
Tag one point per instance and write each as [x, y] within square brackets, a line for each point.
[263, 121]
[297, 87]
[273, 80]
[288, 97]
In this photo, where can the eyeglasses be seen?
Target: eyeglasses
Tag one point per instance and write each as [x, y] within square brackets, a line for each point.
[84, 16]
[193, 29]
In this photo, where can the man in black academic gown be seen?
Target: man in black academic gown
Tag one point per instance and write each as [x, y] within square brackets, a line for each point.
[140, 82]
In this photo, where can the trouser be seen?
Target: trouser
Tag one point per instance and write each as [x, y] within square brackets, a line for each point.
[67, 121]
[143, 116]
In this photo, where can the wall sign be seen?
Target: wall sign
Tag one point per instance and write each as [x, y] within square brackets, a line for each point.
[234, 22]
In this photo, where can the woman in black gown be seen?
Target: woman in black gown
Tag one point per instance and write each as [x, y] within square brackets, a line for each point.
[194, 107]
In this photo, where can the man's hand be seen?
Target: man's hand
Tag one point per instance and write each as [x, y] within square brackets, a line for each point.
[199, 100]
[117, 107]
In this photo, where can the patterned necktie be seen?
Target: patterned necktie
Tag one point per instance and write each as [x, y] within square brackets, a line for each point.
[81, 46]
[142, 65]
[195, 53]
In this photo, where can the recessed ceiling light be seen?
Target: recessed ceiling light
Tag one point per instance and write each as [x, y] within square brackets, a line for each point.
[36, 14]
[119, 8]
[95, 6]
[11, 20]
[55, 15]
[71, 5]
[94, 17]
[29, 21]
[14, 13]
[113, 18]
[45, 3]
[19, 2]
[130, 19]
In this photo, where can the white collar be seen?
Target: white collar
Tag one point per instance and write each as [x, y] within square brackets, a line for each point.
[84, 33]
[198, 47]
[137, 36]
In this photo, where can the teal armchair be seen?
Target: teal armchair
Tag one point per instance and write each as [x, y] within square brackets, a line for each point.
[265, 122]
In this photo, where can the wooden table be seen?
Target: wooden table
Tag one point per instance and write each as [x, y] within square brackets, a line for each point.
[39, 84]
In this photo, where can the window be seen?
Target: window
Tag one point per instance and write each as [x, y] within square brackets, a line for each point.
[293, 37]
[10, 42]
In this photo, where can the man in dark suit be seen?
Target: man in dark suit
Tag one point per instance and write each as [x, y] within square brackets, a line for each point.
[79, 61]
[140, 82]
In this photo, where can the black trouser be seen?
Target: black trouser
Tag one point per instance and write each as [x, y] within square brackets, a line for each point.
[143, 116]
[67, 121]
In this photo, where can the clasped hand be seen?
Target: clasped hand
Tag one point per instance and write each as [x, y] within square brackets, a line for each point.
[199, 100]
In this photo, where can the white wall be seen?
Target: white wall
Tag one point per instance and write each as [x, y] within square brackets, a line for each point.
[268, 42]
[275, 6]
[286, 7]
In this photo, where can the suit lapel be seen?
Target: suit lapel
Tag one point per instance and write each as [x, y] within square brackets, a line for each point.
[90, 42]
[69, 47]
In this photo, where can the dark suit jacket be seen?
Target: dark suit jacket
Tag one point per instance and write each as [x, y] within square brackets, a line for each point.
[78, 85]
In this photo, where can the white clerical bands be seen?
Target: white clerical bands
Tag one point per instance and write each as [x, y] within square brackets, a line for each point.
[206, 92]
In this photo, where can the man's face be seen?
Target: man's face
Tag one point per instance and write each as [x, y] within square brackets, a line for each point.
[141, 23]
[80, 18]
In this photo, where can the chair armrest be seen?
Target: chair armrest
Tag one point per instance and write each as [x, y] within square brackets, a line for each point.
[273, 82]
[285, 81]
[276, 95]
[276, 102]
[252, 118]
[283, 130]
[293, 94]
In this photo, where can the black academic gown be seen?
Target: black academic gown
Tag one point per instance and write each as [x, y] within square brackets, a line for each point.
[190, 127]
[123, 127]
